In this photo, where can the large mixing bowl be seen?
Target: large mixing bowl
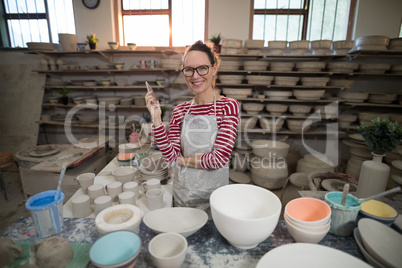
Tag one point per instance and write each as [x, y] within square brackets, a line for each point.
[245, 214]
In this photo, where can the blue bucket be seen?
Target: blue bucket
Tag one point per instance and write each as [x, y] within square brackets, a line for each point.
[47, 213]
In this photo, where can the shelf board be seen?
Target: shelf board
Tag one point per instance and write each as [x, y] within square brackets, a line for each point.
[366, 104]
[107, 51]
[75, 124]
[103, 87]
[355, 53]
[287, 100]
[285, 131]
[289, 116]
[107, 71]
[50, 105]
[277, 86]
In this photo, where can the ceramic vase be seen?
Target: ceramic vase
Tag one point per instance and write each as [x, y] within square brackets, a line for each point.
[373, 177]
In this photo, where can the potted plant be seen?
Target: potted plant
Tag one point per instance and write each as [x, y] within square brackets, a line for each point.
[381, 136]
[63, 92]
[92, 41]
[216, 39]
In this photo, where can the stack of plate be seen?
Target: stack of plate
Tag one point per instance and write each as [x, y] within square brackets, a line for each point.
[154, 167]
[379, 243]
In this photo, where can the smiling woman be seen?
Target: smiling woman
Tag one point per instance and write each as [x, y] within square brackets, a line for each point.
[168, 22]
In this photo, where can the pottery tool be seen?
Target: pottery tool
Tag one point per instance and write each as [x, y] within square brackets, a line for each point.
[63, 171]
[345, 193]
[149, 88]
[393, 190]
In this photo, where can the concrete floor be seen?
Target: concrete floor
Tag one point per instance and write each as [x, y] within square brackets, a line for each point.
[14, 208]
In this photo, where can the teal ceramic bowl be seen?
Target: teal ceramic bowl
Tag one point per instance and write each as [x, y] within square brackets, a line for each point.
[116, 249]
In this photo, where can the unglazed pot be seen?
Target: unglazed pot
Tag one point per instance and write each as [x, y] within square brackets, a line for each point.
[9, 251]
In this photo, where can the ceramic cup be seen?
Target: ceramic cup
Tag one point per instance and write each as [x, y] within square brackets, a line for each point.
[168, 250]
[113, 189]
[101, 203]
[94, 191]
[127, 198]
[155, 199]
[132, 186]
[85, 180]
[81, 206]
[151, 184]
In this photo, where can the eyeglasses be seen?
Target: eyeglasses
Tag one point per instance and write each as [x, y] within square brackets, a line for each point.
[201, 70]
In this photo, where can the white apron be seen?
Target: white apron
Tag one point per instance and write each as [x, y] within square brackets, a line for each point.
[192, 187]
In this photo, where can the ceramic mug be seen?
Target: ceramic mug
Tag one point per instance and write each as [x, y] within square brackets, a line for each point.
[155, 199]
[127, 198]
[168, 250]
[132, 186]
[85, 180]
[101, 203]
[113, 189]
[81, 206]
[94, 191]
[151, 184]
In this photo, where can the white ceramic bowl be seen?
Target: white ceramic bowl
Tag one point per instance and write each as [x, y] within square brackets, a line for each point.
[299, 110]
[253, 108]
[302, 235]
[314, 81]
[310, 65]
[245, 214]
[181, 220]
[168, 250]
[354, 96]
[271, 125]
[282, 66]
[270, 148]
[259, 79]
[124, 174]
[320, 44]
[301, 44]
[255, 65]
[247, 123]
[277, 44]
[286, 80]
[230, 79]
[272, 179]
[278, 95]
[230, 65]
[301, 94]
[276, 109]
[119, 217]
[342, 44]
[299, 126]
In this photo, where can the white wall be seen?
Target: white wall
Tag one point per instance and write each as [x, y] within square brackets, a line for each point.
[98, 21]
[374, 17]
[231, 18]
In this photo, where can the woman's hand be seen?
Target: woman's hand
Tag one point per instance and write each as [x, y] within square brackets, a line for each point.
[155, 112]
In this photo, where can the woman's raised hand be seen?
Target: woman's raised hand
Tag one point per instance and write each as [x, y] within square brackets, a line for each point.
[153, 109]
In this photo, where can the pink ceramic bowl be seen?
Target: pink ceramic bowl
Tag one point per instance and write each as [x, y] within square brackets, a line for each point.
[308, 211]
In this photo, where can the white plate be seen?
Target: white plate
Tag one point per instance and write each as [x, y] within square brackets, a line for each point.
[184, 221]
[305, 255]
[366, 255]
[381, 242]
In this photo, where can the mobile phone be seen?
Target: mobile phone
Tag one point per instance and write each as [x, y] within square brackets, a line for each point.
[149, 88]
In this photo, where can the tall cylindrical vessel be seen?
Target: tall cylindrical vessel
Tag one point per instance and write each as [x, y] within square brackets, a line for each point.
[68, 42]
[373, 177]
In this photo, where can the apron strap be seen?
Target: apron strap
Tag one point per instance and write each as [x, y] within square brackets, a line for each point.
[192, 101]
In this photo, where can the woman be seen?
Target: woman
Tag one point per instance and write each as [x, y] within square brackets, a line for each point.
[201, 134]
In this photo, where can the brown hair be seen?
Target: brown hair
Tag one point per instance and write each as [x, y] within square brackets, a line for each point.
[208, 49]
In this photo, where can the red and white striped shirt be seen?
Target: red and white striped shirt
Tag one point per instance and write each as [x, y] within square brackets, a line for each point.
[228, 117]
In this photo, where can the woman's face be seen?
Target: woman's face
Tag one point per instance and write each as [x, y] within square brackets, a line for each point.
[197, 83]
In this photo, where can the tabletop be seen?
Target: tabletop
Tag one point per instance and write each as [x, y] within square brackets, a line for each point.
[206, 248]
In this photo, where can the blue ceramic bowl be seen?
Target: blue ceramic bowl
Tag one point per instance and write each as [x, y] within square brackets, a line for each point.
[116, 249]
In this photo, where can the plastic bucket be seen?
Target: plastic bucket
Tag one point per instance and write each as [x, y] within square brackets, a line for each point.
[343, 217]
[48, 217]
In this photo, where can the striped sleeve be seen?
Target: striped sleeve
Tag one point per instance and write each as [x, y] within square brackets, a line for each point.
[169, 143]
[227, 132]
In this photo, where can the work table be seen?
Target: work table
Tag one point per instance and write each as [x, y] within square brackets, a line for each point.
[206, 248]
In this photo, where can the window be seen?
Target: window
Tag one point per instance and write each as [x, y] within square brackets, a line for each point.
[163, 22]
[300, 19]
[35, 21]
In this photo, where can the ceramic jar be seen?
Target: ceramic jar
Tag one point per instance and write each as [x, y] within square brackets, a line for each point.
[373, 177]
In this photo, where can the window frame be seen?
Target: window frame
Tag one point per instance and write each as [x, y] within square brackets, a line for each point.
[301, 12]
[138, 12]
